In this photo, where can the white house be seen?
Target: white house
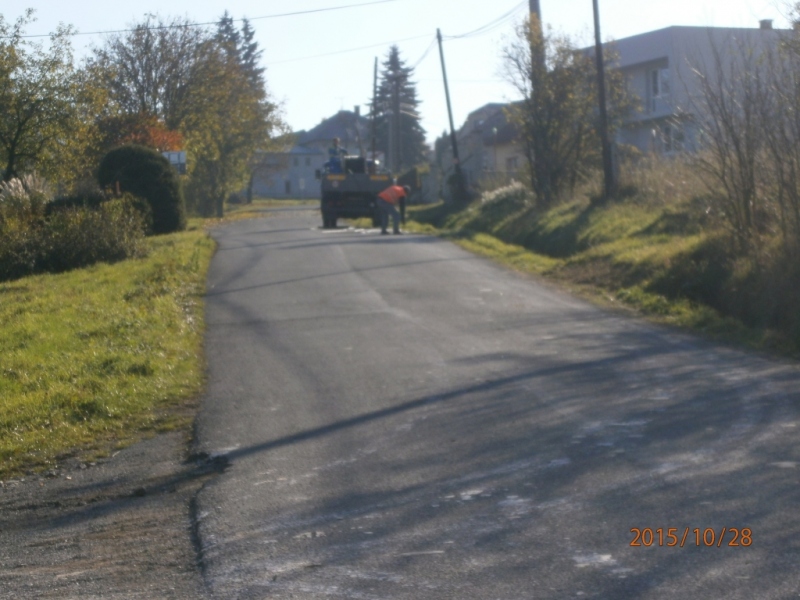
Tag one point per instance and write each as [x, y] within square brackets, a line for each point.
[291, 173]
[660, 66]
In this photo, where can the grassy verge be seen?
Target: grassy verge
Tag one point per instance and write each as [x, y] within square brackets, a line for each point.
[97, 358]
[257, 207]
[93, 358]
[658, 256]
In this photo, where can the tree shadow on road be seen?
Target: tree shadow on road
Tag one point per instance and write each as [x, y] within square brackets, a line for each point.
[540, 472]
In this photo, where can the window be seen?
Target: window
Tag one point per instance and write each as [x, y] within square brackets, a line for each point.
[308, 161]
[296, 161]
[672, 138]
[658, 88]
[652, 77]
[512, 164]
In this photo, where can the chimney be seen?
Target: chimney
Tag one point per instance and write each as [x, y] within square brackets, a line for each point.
[357, 108]
[765, 24]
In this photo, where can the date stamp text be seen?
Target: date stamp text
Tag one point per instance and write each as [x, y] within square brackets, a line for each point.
[707, 537]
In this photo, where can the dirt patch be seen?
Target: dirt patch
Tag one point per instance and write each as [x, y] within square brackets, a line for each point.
[119, 528]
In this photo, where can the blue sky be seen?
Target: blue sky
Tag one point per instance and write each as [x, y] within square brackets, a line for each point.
[320, 62]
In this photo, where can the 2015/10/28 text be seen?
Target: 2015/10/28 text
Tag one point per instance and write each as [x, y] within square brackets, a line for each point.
[707, 537]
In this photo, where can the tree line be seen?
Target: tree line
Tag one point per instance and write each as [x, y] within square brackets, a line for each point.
[166, 83]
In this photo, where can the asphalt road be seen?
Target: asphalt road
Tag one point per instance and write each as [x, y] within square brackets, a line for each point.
[404, 420]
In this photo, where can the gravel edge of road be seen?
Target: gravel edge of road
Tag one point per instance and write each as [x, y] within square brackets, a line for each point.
[123, 527]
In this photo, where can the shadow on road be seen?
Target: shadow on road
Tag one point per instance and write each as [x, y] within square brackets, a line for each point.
[563, 457]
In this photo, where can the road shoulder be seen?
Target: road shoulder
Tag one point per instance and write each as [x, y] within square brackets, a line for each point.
[118, 528]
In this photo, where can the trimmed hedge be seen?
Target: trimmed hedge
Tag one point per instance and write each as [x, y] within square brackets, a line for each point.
[143, 172]
[88, 200]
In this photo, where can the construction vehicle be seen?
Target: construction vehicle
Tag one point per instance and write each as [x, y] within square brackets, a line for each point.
[352, 193]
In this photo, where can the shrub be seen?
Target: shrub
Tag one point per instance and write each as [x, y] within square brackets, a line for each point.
[145, 173]
[91, 199]
[80, 237]
[513, 192]
[70, 238]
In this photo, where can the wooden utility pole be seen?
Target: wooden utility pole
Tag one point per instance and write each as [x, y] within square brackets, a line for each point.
[397, 150]
[460, 188]
[608, 165]
[537, 32]
[534, 10]
[374, 106]
[538, 139]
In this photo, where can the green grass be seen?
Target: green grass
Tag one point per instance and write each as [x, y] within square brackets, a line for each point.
[511, 255]
[95, 358]
[256, 208]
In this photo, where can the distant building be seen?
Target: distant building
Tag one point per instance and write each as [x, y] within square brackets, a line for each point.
[177, 159]
[659, 68]
[488, 147]
[291, 173]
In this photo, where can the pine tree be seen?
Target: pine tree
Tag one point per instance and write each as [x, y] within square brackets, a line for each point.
[250, 55]
[242, 49]
[402, 140]
[228, 35]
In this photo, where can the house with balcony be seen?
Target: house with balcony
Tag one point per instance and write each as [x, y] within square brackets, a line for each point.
[661, 68]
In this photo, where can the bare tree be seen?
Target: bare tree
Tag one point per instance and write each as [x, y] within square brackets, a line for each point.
[557, 115]
[780, 116]
[736, 93]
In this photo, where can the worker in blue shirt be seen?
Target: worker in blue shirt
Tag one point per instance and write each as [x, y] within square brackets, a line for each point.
[335, 155]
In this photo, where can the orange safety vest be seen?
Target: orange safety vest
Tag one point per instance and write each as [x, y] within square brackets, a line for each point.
[392, 194]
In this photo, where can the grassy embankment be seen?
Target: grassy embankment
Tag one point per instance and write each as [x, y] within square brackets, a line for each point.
[657, 250]
[94, 359]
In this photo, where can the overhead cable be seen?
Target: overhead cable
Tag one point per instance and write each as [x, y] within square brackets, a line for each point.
[183, 25]
[488, 26]
[424, 54]
[289, 60]
[483, 29]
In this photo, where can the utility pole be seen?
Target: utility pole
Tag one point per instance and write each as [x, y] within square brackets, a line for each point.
[397, 148]
[537, 32]
[460, 188]
[608, 165]
[390, 145]
[540, 145]
[374, 106]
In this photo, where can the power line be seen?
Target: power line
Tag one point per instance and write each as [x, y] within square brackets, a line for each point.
[488, 26]
[467, 80]
[482, 29]
[424, 54]
[290, 14]
[289, 60]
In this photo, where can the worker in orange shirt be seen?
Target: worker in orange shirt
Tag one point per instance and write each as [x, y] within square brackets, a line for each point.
[388, 202]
